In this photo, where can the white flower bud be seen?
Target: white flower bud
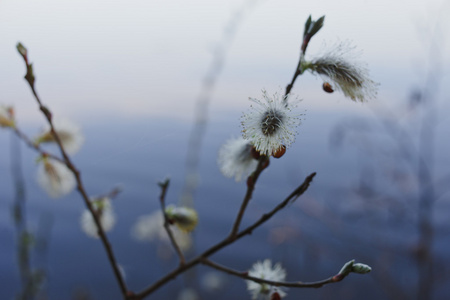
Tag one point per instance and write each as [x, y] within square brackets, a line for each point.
[184, 217]
[361, 268]
[55, 178]
[271, 123]
[347, 268]
[69, 133]
[105, 213]
[6, 116]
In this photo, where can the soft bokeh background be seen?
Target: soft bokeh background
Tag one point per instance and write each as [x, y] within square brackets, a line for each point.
[130, 73]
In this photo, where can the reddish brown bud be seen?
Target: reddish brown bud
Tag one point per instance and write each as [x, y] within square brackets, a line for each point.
[337, 277]
[279, 152]
[275, 296]
[327, 87]
[255, 153]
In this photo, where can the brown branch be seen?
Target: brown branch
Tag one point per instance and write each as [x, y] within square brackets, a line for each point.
[298, 72]
[296, 284]
[162, 198]
[251, 181]
[292, 197]
[227, 241]
[307, 35]
[35, 146]
[30, 79]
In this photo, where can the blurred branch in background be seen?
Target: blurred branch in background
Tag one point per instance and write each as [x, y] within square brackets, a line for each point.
[33, 279]
[195, 143]
[398, 185]
[58, 138]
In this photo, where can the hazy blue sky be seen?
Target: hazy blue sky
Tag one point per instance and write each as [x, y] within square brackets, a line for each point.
[145, 58]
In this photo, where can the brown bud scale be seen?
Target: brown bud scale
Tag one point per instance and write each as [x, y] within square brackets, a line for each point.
[279, 152]
[327, 87]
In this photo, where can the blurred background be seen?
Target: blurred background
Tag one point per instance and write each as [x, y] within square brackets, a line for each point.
[131, 73]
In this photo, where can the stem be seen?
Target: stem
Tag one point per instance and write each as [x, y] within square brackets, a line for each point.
[81, 190]
[225, 242]
[35, 146]
[262, 164]
[298, 72]
[297, 284]
[162, 198]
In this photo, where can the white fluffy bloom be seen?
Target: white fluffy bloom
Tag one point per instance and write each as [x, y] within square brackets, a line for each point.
[348, 74]
[107, 217]
[69, 133]
[271, 123]
[264, 270]
[6, 116]
[151, 228]
[235, 158]
[188, 294]
[55, 178]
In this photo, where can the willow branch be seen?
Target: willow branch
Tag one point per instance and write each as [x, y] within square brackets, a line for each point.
[35, 146]
[251, 181]
[292, 197]
[68, 162]
[162, 201]
[296, 284]
[298, 72]
[225, 242]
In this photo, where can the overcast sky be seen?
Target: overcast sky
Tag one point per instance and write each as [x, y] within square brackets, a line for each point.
[146, 58]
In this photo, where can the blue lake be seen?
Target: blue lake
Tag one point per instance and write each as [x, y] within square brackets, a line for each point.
[338, 218]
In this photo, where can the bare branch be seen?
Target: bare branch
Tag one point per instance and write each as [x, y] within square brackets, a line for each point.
[68, 162]
[227, 241]
[296, 284]
[251, 181]
[162, 198]
[35, 146]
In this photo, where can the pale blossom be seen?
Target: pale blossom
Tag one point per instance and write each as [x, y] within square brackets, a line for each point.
[264, 270]
[6, 116]
[213, 281]
[185, 218]
[188, 294]
[351, 76]
[151, 228]
[271, 123]
[68, 132]
[105, 212]
[55, 178]
[235, 158]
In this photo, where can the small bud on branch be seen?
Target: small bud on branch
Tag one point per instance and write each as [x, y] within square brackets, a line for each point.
[311, 28]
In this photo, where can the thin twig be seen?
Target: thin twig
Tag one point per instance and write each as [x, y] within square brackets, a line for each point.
[35, 146]
[292, 197]
[225, 242]
[251, 181]
[298, 72]
[80, 186]
[162, 201]
[296, 284]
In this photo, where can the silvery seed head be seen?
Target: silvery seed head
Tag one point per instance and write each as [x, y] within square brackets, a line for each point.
[348, 75]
